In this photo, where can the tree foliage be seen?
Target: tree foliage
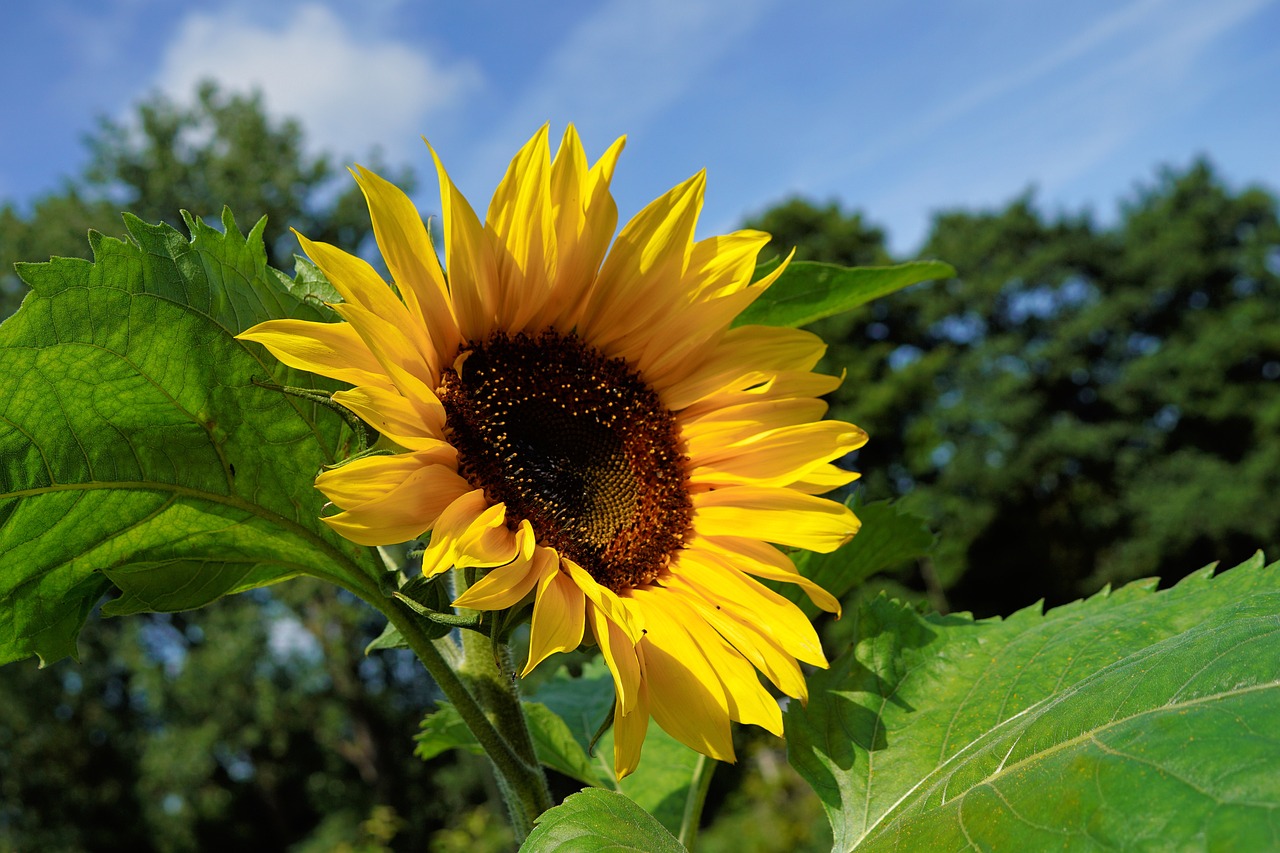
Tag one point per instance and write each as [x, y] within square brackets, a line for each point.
[1082, 404]
[222, 149]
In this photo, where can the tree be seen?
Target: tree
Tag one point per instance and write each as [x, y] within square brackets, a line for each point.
[220, 150]
[1081, 405]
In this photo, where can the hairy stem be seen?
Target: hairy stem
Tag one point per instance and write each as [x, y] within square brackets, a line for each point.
[487, 670]
[508, 746]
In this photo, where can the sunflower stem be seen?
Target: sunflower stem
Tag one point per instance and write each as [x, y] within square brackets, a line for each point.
[487, 670]
[695, 799]
[520, 779]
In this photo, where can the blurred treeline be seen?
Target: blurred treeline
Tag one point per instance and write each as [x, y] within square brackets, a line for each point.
[1082, 405]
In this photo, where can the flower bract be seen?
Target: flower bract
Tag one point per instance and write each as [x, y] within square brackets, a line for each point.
[577, 415]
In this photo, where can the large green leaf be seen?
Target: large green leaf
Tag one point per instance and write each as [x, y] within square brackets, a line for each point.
[808, 290]
[136, 448]
[595, 820]
[1131, 720]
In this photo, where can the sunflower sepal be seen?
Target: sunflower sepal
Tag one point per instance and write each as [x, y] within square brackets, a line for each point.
[602, 729]
[427, 598]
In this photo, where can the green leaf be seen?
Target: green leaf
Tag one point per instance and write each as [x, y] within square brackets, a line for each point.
[808, 291]
[1130, 720]
[444, 729]
[390, 638]
[889, 536]
[595, 820]
[135, 448]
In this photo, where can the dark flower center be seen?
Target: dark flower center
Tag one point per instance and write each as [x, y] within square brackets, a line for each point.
[577, 444]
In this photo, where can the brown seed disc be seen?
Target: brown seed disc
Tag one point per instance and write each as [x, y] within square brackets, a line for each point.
[577, 444]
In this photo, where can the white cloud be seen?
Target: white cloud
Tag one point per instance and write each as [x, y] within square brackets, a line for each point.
[350, 93]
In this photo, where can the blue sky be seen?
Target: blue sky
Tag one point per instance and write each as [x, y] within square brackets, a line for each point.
[898, 108]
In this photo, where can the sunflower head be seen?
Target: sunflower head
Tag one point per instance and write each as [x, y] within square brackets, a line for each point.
[575, 415]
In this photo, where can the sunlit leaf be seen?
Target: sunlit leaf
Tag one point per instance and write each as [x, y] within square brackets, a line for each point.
[808, 291]
[1128, 720]
[594, 820]
[136, 448]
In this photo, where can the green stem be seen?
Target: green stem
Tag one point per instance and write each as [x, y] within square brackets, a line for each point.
[695, 799]
[487, 670]
[499, 726]
[520, 779]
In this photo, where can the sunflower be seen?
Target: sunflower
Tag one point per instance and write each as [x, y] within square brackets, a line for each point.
[583, 422]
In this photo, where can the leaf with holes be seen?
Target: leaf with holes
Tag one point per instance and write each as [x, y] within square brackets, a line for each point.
[136, 448]
[1131, 720]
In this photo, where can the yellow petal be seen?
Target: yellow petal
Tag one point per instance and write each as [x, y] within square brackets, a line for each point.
[777, 515]
[470, 532]
[586, 217]
[507, 585]
[371, 477]
[723, 264]
[404, 512]
[558, 615]
[765, 561]
[357, 281]
[775, 457]
[722, 584]
[779, 386]
[329, 349]
[735, 423]
[755, 645]
[616, 609]
[675, 348]
[823, 479]
[640, 279]
[468, 255]
[629, 730]
[402, 359]
[686, 697]
[521, 229]
[403, 241]
[748, 701]
[410, 424]
[619, 651]
[746, 356]
[666, 352]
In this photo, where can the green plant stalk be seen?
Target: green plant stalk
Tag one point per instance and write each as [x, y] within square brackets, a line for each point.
[487, 670]
[520, 779]
[695, 800]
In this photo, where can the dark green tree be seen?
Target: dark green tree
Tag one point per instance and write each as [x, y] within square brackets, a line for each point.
[1082, 405]
[220, 150]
